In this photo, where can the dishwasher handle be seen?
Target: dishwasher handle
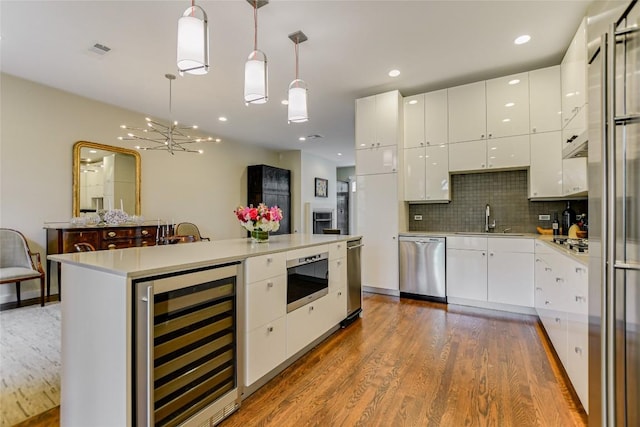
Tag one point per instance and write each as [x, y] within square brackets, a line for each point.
[355, 246]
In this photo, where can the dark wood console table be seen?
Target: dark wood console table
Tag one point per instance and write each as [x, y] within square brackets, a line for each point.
[61, 240]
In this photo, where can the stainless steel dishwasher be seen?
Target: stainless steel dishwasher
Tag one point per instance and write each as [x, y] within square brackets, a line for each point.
[354, 281]
[422, 268]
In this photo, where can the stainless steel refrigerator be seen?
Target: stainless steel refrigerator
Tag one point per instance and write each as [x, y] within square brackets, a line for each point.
[613, 35]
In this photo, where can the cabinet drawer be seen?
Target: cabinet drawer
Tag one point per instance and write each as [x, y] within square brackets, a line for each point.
[266, 300]
[118, 233]
[306, 324]
[466, 242]
[265, 266]
[72, 237]
[117, 244]
[510, 244]
[265, 350]
[337, 274]
[337, 250]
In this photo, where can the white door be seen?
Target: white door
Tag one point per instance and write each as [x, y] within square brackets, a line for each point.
[508, 152]
[413, 115]
[508, 106]
[468, 156]
[545, 173]
[467, 112]
[510, 278]
[377, 222]
[414, 174]
[437, 173]
[544, 100]
[436, 117]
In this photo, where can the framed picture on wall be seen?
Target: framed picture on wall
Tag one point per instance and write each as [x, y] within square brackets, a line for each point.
[321, 187]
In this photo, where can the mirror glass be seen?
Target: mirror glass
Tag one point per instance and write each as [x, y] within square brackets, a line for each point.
[105, 177]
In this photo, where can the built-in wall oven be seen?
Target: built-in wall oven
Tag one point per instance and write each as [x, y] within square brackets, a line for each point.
[307, 279]
[186, 355]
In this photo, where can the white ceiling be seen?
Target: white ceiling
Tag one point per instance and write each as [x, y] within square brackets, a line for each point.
[351, 47]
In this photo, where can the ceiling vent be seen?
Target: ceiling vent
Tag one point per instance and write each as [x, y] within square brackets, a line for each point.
[99, 49]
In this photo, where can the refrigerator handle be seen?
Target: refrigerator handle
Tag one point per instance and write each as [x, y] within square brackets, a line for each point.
[610, 219]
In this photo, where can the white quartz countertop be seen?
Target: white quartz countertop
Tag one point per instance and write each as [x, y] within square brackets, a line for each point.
[144, 261]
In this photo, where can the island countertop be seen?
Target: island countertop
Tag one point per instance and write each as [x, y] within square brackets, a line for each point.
[143, 261]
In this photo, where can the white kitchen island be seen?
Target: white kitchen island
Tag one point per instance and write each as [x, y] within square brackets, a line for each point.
[99, 325]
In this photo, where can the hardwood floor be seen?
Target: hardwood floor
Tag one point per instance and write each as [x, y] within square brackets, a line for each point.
[414, 363]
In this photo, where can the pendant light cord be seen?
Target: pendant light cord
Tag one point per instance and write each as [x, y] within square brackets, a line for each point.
[296, 50]
[255, 25]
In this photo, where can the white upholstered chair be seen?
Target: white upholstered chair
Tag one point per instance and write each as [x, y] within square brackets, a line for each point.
[17, 262]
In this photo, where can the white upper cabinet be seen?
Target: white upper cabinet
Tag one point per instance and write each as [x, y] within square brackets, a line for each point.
[377, 120]
[545, 174]
[468, 156]
[574, 176]
[376, 160]
[544, 100]
[425, 119]
[427, 174]
[436, 117]
[574, 75]
[508, 106]
[413, 114]
[467, 112]
[510, 152]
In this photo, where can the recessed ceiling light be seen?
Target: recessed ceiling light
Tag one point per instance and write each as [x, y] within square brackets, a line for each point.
[302, 138]
[284, 102]
[514, 81]
[394, 73]
[218, 140]
[509, 104]
[363, 145]
[506, 120]
[339, 154]
[413, 102]
[522, 39]
[222, 118]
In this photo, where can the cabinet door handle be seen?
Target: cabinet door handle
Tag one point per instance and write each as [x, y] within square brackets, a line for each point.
[270, 329]
[538, 289]
[112, 246]
[482, 136]
[559, 280]
[112, 234]
[339, 262]
[547, 269]
[557, 320]
[145, 232]
[578, 350]
[339, 294]
[482, 165]
[547, 303]
[491, 254]
[269, 260]
[580, 298]
[483, 254]
[579, 269]
[269, 284]
[310, 308]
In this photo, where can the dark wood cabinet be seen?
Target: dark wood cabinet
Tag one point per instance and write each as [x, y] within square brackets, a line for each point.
[61, 240]
[272, 186]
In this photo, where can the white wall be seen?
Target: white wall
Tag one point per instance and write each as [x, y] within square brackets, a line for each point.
[292, 160]
[39, 126]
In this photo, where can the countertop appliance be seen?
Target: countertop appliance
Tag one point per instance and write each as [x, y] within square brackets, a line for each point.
[576, 245]
[354, 281]
[307, 280]
[613, 35]
[422, 268]
[187, 359]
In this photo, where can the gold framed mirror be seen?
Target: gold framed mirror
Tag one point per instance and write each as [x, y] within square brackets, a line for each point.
[105, 177]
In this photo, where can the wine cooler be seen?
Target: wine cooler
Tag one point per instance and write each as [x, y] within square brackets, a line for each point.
[187, 358]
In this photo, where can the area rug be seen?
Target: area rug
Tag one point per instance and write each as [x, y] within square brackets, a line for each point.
[29, 362]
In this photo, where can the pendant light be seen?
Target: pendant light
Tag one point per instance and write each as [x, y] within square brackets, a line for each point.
[255, 69]
[297, 111]
[193, 41]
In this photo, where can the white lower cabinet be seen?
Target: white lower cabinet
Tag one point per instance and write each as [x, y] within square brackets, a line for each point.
[494, 269]
[265, 349]
[561, 301]
[467, 274]
[510, 271]
[307, 323]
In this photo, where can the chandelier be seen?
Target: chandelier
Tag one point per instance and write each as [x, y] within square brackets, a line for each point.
[171, 137]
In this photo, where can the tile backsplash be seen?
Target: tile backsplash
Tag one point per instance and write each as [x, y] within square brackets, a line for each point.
[507, 195]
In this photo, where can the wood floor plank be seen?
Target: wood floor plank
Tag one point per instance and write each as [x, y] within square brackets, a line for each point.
[415, 363]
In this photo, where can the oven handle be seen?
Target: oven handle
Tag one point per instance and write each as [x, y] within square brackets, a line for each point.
[149, 299]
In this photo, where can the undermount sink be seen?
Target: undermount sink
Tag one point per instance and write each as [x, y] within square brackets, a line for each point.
[483, 233]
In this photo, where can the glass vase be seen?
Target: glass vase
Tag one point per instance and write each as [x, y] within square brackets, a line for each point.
[259, 236]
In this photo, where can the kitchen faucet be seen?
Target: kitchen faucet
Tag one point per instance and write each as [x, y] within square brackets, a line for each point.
[488, 226]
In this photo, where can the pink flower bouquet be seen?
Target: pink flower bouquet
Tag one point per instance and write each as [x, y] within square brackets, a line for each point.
[262, 218]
